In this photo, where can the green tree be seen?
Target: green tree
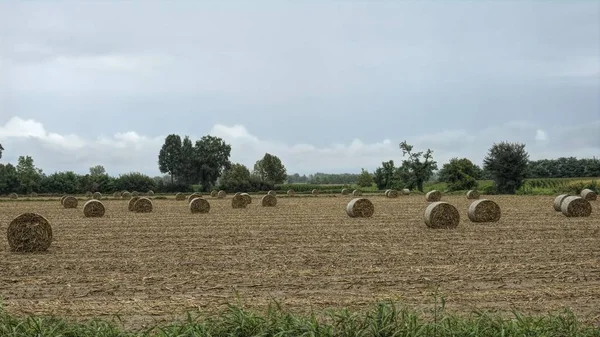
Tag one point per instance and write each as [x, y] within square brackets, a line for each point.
[1, 149]
[9, 180]
[459, 174]
[186, 170]
[134, 181]
[507, 164]
[61, 182]
[169, 158]
[385, 177]
[236, 178]
[97, 170]
[29, 176]
[270, 169]
[365, 179]
[211, 157]
[414, 170]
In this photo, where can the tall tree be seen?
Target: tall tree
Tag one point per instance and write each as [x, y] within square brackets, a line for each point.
[414, 170]
[236, 178]
[459, 174]
[186, 165]
[211, 157]
[169, 158]
[270, 169]
[507, 164]
[1, 149]
[9, 180]
[385, 177]
[97, 170]
[365, 179]
[29, 176]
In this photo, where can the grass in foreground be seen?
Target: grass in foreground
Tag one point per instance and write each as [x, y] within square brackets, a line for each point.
[383, 319]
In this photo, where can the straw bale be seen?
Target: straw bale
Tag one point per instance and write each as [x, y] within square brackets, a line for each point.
[93, 209]
[269, 201]
[126, 195]
[70, 202]
[575, 206]
[558, 201]
[589, 195]
[180, 196]
[131, 203]
[272, 192]
[29, 232]
[239, 201]
[199, 205]
[117, 195]
[392, 194]
[345, 191]
[360, 208]
[150, 193]
[315, 191]
[433, 196]
[222, 194]
[441, 214]
[33, 194]
[193, 196]
[13, 196]
[386, 192]
[88, 194]
[97, 195]
[473, 194]
[143, 205]
[291, 193]
[356, 193]
[248, 198]
[484, 210]
[405, 191]
[135, 194]
[214, 193]
[62, 199]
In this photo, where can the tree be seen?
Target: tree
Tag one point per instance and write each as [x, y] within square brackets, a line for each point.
[169, 158]
[459, 174]
[211, 157]
[414, 170]
[61, 182]
[186, 163]
[270, 169]
[1, 149]
[236, 178]
[29, 176]
[9, 180]
[134, 181]
[365, 179]
[97, 170]
[385, 177]
[507, 164]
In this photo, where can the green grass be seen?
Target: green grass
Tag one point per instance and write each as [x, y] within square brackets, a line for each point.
[382, 319]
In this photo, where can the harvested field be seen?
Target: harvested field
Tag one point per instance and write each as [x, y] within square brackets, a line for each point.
[306, 253]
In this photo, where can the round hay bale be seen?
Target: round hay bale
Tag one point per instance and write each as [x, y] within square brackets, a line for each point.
[150, 192]
[433, 196]
[386, 192]
[484, 210]
[248, 198]
[13, 196]
[135, 194]
[62, 199]
[193, 196]
[441, 214]
[356, 193]
[34, 195]
[345, 191]
[126, 195]
[29, 232]
[239, 201]
[272, 192]
[88, 194]
[97, 195]
[143, 205]
[180, 196]
[315, 192]
[237, 193]
[392, 194]
[199, 205]
[214, 193]
[405, 191]
[291, 193]
[558, 201]
[473, 194]
[575, 206]
[70, 202]
[269, 201]
[360, 208]
[131, 203]
[117, 195]
[93, 209]
[589, 195]
[222, 194]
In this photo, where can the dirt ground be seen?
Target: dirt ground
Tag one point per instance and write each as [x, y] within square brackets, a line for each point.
[306, 253]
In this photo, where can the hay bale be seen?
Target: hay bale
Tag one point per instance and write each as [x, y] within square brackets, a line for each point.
[386, 192]
[441, 214]
[29, 232]
[135, 194]
[150, 192]
[239, 201]
[179, 196]
[392, 194]
[484, 210]
[433, 196]
[88, 194]
[473, 194]
[193, 196]
[360, 208]
[575, 206]
[272, 192]
[405, 191]
[248, 198]
[315, 191]
[13, 196]
[62, 199]
[199, 205]
[70, 202]
[214, 193]
[131, 203]
[126, 195]
[269, 201]
[97, 196]
[222, 194]
[345, 191]
[143, 205]
[558, 201]
[589, 195]
[34, 195]
[356, 193]
[117, 195]
[93, 209]
[291, 193]
[237, 193]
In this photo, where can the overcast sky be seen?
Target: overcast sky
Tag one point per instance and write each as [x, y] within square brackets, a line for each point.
[328, 86]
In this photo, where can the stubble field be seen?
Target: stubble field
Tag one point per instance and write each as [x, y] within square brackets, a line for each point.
[306, 253]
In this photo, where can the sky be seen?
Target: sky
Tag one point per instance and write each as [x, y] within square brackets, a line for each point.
[327, 86]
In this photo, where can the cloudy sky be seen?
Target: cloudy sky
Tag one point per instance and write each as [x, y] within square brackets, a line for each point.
[328, 86]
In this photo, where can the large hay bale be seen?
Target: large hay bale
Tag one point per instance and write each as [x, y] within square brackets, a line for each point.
[29, 232]
[70, 202]
[239, 201]
[97, 195]
[179, 196]
[291, 193]
[356, 193]
[131, 203]
[214, 193]
[315, 191]
[484, 210]
[345, 191]
[150, 192]
[473, 194]
[360, 208]
[126, 195]
[135, 194]
[13, 196]
[93, 209]
[589, 195]
[441, 214]
[88, 194]
[405, 191]
[272, 192]
[575, 206]
[392, 194]
[433, 196]
[199, 205]
[222, 194]
[193, 196]
[143, 205]
[248, 198]
[269, 201]
[62, 199]
[558, 201]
